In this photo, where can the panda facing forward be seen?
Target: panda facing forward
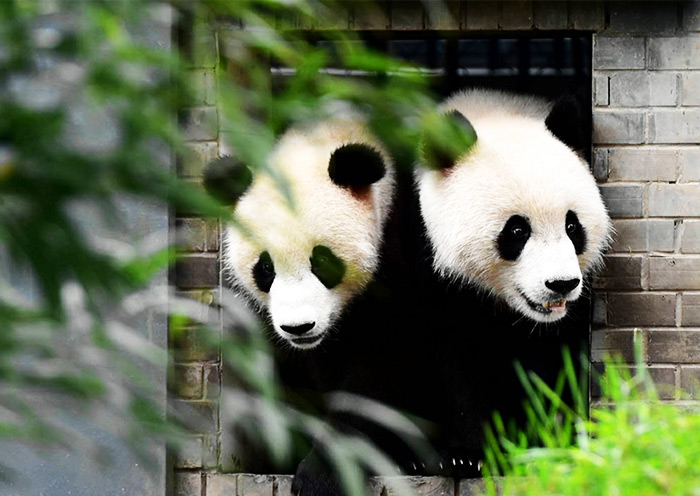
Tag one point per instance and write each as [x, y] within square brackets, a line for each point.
[514, 225]
[309, 228]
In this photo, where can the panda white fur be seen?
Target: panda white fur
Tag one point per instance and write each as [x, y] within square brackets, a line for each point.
[518, 214]
[308, 228]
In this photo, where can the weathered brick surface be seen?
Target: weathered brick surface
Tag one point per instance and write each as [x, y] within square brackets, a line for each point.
[221, 485]
[212, 381]
[620, 272]
[197, 271]
[623, 200]
[674, 272]
[691, 15]
[443, 15]
[406, 15]
[192, 345]
[199, 123]
[601, 95]
[423, 486]
[653, 17]
[642, 89]
[186, 381]
[550, 14]
[690, 164]
[609, 342]
[674, 52]
[255, 485]
[663, 89]
[641, 309]
[674, 346]
[195, 156]
[481, 15]
[517, 15]
[189, 452]
[690, 88]
[370, 15]
[690, 381]
[188, 484]
[663, 377]
[618, 127]
[674, 200]
[618, 53]
[643, 164]
[601, 167]
[690, 309]
[284, 485]
[202, 84]
[675, 126]
[201, 416]
[690, 242]
[642, 235]
[588, 15]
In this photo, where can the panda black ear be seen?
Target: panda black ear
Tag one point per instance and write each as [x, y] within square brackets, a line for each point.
[564, 122]
[356, 164]
[447, 139]
[227, 179]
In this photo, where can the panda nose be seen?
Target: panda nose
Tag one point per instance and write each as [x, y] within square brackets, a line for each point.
[298, 330]
[562, 286]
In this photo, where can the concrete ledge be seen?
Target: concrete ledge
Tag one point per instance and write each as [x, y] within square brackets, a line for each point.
[280, 485]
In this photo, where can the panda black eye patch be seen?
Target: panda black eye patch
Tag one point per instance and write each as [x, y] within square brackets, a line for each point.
[576, 232]
[264, 272]
[328, 268]
[513, 237]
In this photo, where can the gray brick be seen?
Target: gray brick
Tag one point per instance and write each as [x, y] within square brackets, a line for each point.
[663, 87]
[618, 127]
[588, 15]
[371, 15]
[691, 236]
[222, 484]
[600, 309]
[622, 201]
[423, 486]
[191, 234]
[618, 53]
[255, 485]
[674, 200]
[195, 156]
[643, 17]
[664, 379]
[284, 485]
[551, 15]
[481, 15]
[691, 15]
[189, 452]
[667, 346]
[690, 165]
[620, 272]
[203, 53]
[202, 87]
[199, 123]
[212, 381]
[188, 484]
[641, 309]
[643, 164]
[641, 235]
[197, 272]
[674, 53]
[442, 15]
[674, 272]
[690, 84]
[335, 16]
[517, 14]
[675, 126]
[609, 342]
[629, 89]
[186, 381]
[602, 93]
[192, 344]
[601, 164]
[472, 487]
[199, 416]
[210, 452]
[690, 381]
[406, 15]
[690, 309]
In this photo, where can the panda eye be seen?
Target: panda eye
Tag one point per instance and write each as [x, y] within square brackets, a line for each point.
[513, 237]
[570, 228]
[518, 232]
[264, 272]
[576, 232]
[328, 268]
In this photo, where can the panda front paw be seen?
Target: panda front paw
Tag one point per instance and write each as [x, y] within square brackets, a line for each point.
[314, 477]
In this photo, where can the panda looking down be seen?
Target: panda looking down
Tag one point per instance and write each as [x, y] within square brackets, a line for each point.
[305, 253]
[518, 214]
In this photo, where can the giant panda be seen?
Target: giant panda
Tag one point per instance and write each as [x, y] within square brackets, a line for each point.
[513, 225]
[309, 227]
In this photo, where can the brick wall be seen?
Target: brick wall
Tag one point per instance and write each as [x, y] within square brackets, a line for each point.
[646, 136]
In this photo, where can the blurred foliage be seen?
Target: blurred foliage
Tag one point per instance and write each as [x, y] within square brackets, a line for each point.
[631, 444]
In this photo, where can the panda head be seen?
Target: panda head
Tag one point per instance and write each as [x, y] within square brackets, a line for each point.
[517, 212]
[309, 228]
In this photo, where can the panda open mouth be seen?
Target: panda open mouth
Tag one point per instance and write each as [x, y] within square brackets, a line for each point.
[311, 340]
[546, 308]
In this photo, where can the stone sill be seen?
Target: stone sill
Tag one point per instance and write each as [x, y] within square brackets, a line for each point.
[280, 485]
